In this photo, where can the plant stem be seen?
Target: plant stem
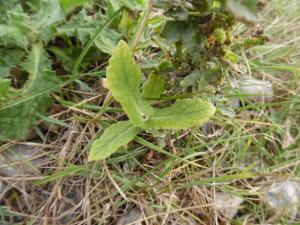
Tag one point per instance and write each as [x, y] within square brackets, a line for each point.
[141, 26]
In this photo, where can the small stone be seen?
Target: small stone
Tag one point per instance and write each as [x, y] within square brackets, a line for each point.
[283, 197]
[227, 205]
[234, 103]
[132, 217]
[256, 90]
[13, 163]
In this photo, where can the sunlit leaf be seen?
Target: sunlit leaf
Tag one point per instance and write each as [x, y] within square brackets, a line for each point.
[124, 79]
[69, 5]
[134, 4]
[182, 114]
[115, 136]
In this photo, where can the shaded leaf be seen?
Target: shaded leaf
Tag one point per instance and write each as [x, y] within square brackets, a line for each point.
[171, 34]
[190, 79]
[83, 26]
[108, 40]
[13, 31]
[7, 6]
[9, 58]
[22, 28]
[6, 91]
[15, 120]
[124, 79]
[154, 86]
[46, 19]
[115, 136]
[80, 26]
[128, 22]
[183, 114]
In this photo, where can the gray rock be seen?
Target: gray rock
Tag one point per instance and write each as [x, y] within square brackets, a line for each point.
[234, 103]
[283, 197]
[256, 90]
[227, 205]
[20, 160]
[132, 217]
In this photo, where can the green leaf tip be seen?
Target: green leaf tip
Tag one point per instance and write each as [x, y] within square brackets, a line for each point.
[69, 5]
[183, 114]
[124, 80]
[115, 136]
[154, 86]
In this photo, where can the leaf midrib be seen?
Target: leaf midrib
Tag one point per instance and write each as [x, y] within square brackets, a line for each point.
[173, 115]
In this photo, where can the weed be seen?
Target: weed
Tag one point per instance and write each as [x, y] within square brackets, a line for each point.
[72, 88]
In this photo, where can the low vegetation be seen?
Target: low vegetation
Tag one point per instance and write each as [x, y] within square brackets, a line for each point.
[149, 112]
